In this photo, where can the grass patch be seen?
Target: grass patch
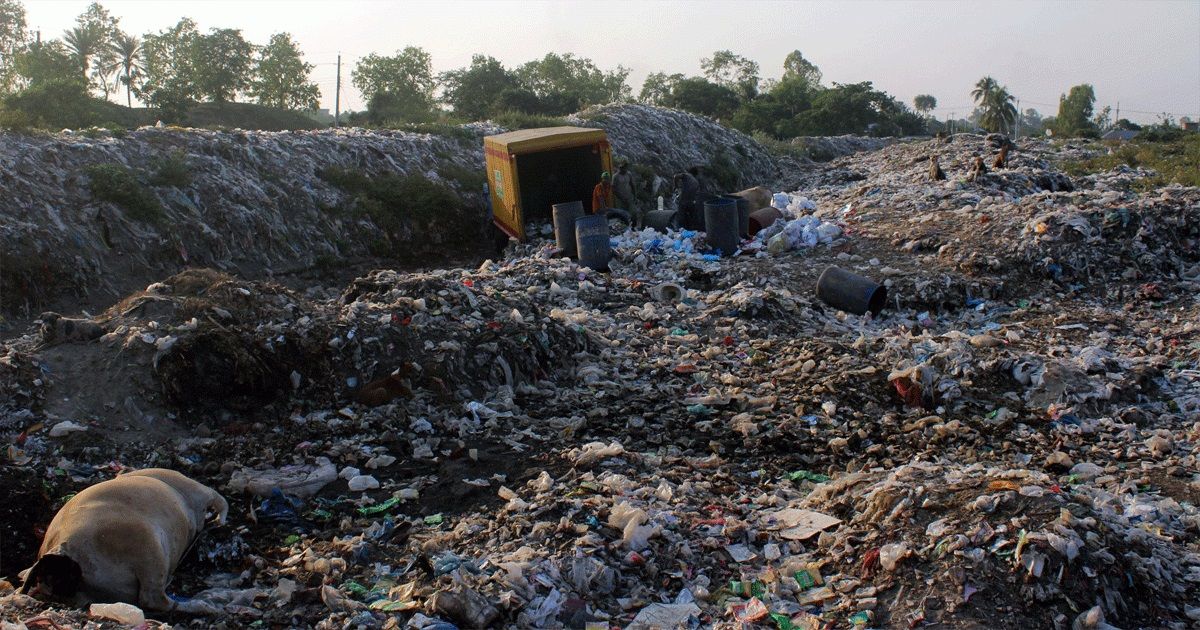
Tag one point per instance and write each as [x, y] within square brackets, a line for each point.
[1175, 162]
[443, 129]
[795, 148]
[723, 171]
[172, 170]
[470, 179]
[513, 120]
[396, 202]
[117, 184]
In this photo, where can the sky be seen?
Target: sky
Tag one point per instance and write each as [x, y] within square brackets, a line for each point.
[1143, 56]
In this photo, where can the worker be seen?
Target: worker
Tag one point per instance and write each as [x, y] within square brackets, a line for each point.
[689, 187]
[623, 188]
[602, 193]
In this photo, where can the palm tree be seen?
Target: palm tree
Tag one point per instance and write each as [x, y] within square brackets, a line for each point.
[127, 61]
[83, 43]
[984, 89]
[996, 105]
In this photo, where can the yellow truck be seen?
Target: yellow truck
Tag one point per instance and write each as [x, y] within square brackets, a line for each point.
[530, 170]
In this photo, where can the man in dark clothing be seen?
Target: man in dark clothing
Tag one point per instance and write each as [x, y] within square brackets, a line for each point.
[623, 189]
[689, 188]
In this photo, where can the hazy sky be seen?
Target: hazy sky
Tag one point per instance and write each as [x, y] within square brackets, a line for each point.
[1144, 55]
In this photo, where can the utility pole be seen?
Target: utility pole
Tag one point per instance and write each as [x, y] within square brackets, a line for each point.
[337, 94]
[1018, 132]
[39, 36]
[1118, 116]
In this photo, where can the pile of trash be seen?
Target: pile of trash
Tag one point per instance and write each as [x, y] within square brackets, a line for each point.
[684, 441]
[826, 148]
[250, 202]
[670, 141]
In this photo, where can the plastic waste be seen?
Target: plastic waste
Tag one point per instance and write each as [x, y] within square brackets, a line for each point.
[122, 613]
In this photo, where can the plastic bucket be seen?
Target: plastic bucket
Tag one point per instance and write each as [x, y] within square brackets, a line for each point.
[763, 218]
[743, 210]
[591, 238]
[564, 226]
[721, 225]
[850, 292]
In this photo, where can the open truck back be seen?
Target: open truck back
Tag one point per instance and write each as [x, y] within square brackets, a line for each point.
[530, 170]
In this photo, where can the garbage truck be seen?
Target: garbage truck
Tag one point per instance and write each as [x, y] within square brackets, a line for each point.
[530, 170]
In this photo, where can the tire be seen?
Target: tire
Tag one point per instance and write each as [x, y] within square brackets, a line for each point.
[620, 217]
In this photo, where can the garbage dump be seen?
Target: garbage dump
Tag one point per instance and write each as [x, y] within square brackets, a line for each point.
[686, 440]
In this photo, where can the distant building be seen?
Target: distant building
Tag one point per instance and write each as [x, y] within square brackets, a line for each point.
[1187, 124]
[1123, 135]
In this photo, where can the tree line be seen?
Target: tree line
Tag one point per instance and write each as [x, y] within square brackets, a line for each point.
[176, 67]
[169, 70]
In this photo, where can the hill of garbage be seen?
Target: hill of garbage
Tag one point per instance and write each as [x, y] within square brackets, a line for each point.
[92, 215]
[527, 443]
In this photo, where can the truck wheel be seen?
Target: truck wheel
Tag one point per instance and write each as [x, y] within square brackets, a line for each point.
[500, 241]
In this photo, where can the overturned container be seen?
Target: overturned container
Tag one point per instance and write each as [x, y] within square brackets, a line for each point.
[564, 226]
[591, 239]
[850, 292]
[720, 225]
[762, 219]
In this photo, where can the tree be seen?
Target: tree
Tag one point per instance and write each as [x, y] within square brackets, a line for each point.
[732, 71]
[474, 91]
[855, 108]
[409, 70]
[127, 55]
[656, 89]
[1032, 123]
[565, 82]
[1103, 119]
[397, 88]
[997, 112]
[82, 43]
[169, 77]
[280, 77]
[100, 64]
[795, 65]
[924, 103]
[221, 61]
[1075, 113]
[12, 40]
[701, 96]
[44, 62]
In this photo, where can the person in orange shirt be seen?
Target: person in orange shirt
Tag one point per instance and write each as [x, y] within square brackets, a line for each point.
[602, 193]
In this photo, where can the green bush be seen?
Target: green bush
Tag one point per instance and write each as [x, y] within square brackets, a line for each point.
[391, 201]
[444, 129]
[469, 179]
[722, 170]
[513, 120]
[116, 184]
[15, 120]
[55, 104]
[172, 170]
[1175, 162]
